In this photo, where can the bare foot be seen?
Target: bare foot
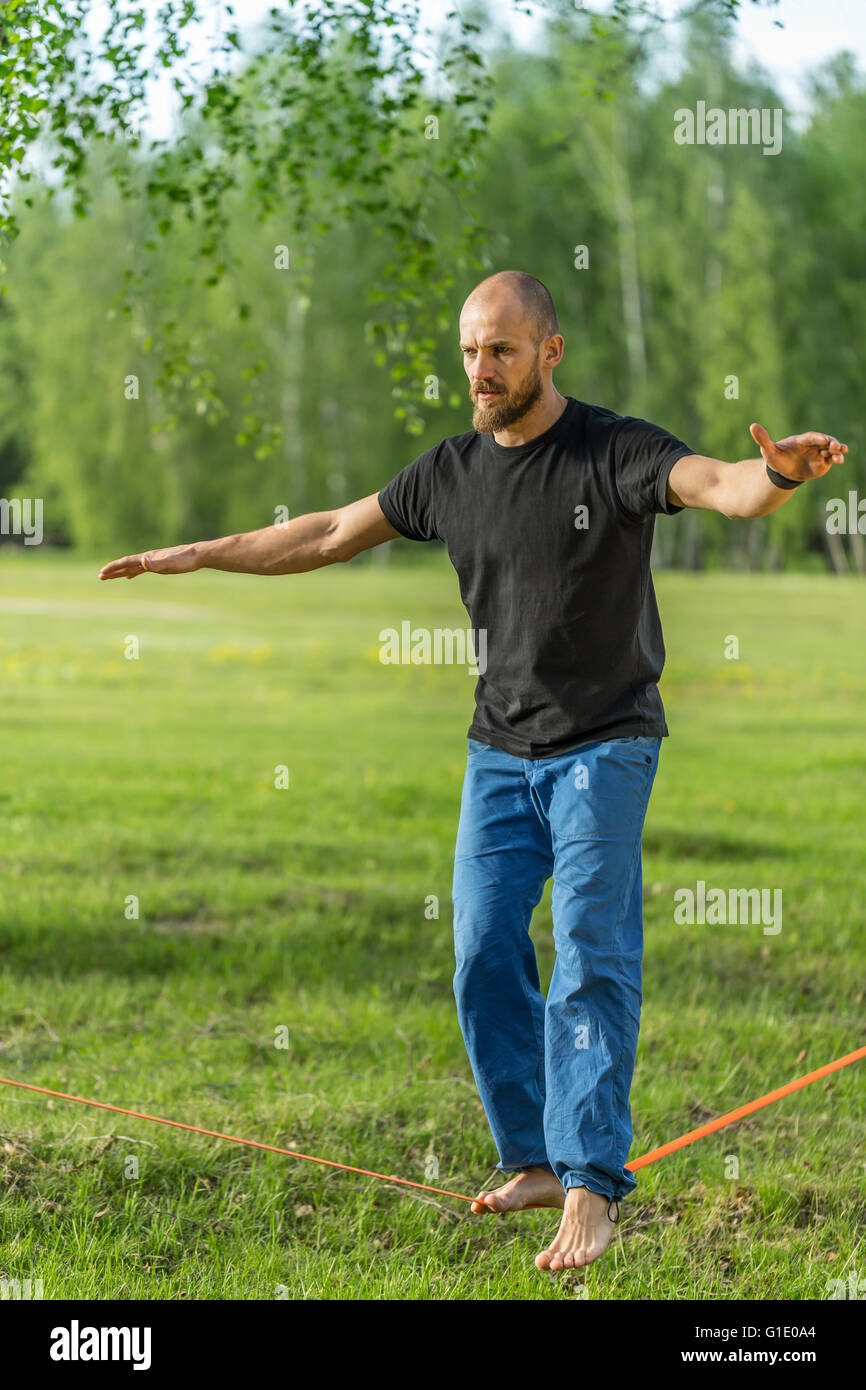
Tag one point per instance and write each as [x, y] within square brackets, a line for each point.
[533, 1187]
[584, 1232]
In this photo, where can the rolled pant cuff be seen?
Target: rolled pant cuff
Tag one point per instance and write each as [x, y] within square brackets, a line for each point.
[528, 1163]
[575, 1179]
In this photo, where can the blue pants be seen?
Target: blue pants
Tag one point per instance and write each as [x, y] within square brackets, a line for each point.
[554, 1075]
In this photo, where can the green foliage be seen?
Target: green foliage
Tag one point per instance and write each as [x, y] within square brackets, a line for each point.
[324, 118]
[308, 386]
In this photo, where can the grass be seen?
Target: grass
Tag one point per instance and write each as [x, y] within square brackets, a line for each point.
[303, 910]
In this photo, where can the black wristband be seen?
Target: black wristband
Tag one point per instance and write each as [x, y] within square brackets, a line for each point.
[781, 481]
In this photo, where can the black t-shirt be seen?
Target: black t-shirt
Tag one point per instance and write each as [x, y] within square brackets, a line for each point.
[551, 543]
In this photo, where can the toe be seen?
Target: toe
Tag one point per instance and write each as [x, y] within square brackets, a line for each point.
[591, 1253]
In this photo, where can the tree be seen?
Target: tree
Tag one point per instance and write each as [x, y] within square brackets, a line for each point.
[332, 87]
[332, 96]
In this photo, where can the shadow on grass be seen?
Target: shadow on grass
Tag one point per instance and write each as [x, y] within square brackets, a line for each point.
[305, 938]
[707, 846]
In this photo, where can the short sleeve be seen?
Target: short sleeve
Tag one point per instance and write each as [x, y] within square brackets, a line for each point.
[644, 455]
[408, 500]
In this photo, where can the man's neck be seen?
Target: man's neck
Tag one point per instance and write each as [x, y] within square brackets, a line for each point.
[540, 418]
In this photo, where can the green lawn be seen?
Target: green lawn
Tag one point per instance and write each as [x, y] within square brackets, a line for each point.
[304, 909]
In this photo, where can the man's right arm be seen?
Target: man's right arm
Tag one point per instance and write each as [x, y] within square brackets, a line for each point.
[305, 543]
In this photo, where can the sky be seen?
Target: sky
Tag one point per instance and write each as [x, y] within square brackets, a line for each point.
[814, 30]
[791, 39]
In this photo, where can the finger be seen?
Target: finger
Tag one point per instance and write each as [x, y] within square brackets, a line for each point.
[760, 436]
[812, 439]
[126, 568]
[132, 567]
[834, 453]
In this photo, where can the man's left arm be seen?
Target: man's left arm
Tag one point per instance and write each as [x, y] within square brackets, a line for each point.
[745, 489]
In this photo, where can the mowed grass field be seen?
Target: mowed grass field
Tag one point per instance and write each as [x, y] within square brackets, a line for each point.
[305, 909]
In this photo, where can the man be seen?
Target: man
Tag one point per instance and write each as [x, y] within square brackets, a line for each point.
[547, 510]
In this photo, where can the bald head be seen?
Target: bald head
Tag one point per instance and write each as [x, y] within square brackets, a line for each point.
[529, 295]
[510, 340]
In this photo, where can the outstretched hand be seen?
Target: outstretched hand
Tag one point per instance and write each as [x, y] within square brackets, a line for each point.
[177, 559]
[801, 456]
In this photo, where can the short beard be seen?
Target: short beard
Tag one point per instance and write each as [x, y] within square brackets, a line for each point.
[491, 416]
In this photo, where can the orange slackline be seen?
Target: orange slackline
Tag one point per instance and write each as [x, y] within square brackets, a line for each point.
[642, 1162]
[753, 1105]
[233, 1139]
